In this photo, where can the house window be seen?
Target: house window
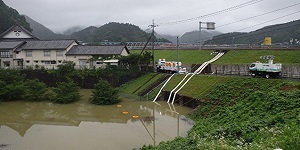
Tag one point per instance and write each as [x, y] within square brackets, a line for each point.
[27, 61]
[47, 53]
[6, 63]
[59, 61]
[4, 54]
[49, 62]
[59, 53]
[36, 61]
[28, 53]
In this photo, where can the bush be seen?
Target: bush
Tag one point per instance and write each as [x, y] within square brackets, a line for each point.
[66, 92]
[35, 90]
[104, 94]
[13, 91]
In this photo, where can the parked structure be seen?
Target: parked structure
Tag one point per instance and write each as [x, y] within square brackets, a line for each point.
[19, 49]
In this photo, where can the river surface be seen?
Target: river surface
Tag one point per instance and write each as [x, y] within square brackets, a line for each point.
[83, 126]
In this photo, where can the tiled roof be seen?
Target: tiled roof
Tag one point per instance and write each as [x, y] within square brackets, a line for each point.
[10, 45]
[47, 45]
[96, 50]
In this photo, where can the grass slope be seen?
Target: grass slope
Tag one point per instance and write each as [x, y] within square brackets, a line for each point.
[286, 57]
[245, 113]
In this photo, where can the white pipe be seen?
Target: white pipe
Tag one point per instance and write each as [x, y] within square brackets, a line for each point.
[170, 95]
[198, 71]
[163, 87]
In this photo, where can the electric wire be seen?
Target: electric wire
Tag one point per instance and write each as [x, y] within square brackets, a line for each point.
[212, 14]
[273, 11]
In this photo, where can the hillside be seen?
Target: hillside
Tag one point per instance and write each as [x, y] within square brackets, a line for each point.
[187, 57]
[280, 33]
[263, 114]
[112, 32]
[193, 36]
[41, 31]
[9, 17]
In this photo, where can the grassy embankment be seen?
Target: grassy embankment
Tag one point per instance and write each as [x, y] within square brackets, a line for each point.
[199, 85]
[238, 113]
[242, 113]
[286, 57]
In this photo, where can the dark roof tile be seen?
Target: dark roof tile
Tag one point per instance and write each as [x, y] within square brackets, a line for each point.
[47, 45]
[11, 45]
[96, 50]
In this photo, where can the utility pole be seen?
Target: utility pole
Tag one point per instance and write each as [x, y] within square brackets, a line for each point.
[177, 47]
[153, 26]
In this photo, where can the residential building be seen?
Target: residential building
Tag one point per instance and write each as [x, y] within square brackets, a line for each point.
[47, 54]
[20, 49]
[96, 56]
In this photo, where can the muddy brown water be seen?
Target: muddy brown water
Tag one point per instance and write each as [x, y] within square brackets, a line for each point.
[81, 125]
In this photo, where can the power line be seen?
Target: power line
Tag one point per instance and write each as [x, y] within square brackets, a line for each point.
[268, 21]
[258, 15]
[213, 14]
[270, 29]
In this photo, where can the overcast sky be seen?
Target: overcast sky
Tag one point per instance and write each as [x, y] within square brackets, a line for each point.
[173, 17]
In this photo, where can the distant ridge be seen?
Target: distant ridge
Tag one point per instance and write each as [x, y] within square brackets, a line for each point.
[279, 33]
[41, 31]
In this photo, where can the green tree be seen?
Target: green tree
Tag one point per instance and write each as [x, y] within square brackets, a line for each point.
[65, 70]
[35, 90]
[66, 92]
[104, 94]
[14, 91]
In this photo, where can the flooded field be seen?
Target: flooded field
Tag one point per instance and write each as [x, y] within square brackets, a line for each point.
[81, 125]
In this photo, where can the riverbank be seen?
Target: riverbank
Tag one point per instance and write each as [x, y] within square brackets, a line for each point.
[240, 113]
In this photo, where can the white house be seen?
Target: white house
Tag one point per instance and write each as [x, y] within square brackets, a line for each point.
[8, 56]
[47, 54]
[19, 49]
[96, 56]
[10, 40]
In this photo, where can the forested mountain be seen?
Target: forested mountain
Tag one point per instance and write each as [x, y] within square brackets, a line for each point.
[194, 36]
[280, 33]
[9, 17]
[113, 32]
[41, 31]
[73, 30]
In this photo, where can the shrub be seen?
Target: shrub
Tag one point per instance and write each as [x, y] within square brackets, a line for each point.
[104, 94]
[66, 92]
[35, 90]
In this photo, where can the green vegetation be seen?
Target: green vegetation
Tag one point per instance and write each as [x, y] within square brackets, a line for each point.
[13, 86]
[286, 57]
[66, 92]
[112, 32]
[244, 113]
[104, 94]
[141, 83]
[197, 87]
[9, 17]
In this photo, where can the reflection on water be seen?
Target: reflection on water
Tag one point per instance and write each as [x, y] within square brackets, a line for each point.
[81, 125]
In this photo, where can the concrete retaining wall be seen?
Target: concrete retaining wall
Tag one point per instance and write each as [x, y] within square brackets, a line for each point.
[288, 71]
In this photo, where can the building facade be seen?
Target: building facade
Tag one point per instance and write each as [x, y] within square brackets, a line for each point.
[20, 49]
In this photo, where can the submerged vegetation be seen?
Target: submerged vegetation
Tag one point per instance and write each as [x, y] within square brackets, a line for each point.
[62, 85]
[104, 94]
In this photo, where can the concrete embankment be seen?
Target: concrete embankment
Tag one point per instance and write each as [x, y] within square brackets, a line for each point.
[288, 71]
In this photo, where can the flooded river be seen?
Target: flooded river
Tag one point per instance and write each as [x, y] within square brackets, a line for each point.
[83, 126]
